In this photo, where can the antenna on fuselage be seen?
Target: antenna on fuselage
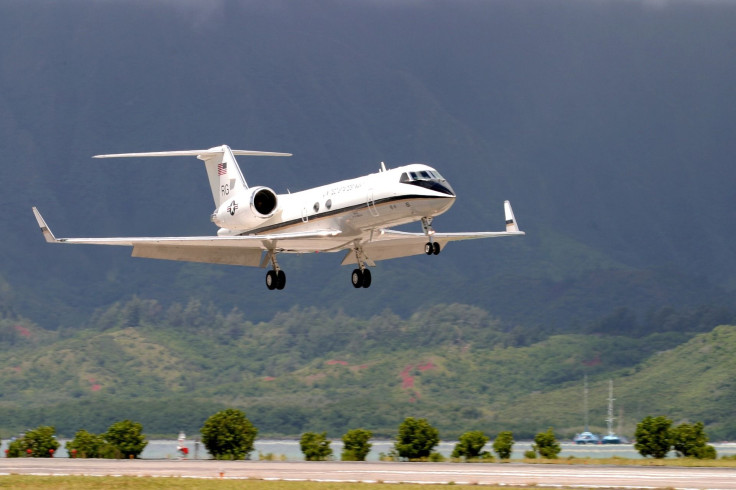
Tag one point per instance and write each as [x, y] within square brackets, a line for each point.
[383, 167]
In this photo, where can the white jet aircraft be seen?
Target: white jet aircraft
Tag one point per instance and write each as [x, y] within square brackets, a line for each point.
[256, 224]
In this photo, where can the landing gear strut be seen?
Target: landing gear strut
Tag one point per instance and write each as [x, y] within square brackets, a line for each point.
[431, 247]
[361, 278]
[275, 278]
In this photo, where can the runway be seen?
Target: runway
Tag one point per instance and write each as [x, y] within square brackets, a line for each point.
[542, 475]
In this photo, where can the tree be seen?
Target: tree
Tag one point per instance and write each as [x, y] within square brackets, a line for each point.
[38, 443]
[691, 441]
[228, 434]
[416, 439]
[86, 445]
[504, 444]
[126, 439]
[545, 443]
[470, 445]
[653, 436]
[355, 445]
[315, 446]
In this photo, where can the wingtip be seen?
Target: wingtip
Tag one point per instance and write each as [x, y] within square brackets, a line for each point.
[511, 224]
[50, 238]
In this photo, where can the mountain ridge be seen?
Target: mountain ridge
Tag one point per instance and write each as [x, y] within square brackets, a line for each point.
[312, 369]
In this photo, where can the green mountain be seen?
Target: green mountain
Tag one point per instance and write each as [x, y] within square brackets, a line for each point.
[309, 369]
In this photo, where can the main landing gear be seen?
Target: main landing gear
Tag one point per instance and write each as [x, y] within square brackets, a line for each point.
[275, 278]
[361, 277]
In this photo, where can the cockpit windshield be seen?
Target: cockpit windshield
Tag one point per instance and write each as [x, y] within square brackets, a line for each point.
[421, 175]
[429, 179]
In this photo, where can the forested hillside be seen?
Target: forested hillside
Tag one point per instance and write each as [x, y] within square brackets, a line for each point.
[315, 370]
[609, 126]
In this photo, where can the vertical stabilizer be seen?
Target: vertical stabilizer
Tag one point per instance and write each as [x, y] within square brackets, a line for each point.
[223, 172]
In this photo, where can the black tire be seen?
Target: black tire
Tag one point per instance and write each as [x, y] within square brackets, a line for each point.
[280, 280]
[271, 280]
[428, 248]
[366, 278]
[436, 248]
[357, 278]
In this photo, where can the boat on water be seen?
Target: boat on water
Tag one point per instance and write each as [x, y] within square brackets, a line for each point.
[586, 437]
[611, 438]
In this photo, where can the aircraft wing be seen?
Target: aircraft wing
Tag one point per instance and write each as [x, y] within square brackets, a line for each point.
[392, 244]
[234, 250]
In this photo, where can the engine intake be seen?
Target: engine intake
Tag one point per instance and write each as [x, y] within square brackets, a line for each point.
[263, 202]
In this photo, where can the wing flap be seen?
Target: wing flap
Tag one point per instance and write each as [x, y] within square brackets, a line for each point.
[393, 244]
[208, 254]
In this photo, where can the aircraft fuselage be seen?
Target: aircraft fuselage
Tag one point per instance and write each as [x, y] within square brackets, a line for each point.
[384, 199]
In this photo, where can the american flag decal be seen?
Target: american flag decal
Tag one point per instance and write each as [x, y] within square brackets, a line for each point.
[222, 168]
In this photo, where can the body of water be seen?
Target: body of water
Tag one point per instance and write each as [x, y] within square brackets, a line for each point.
[289, 450]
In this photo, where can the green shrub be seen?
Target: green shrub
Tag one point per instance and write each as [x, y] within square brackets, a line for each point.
[228, 434]
[416, 439]
[355, 445]
[315, 446]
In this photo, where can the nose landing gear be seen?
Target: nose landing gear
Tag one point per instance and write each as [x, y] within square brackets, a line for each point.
[431, 247]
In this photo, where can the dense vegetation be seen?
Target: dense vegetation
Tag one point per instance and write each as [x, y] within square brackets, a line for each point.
[323, 370]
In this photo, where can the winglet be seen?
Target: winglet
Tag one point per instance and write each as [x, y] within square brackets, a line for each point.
[44, 227]
[511, 224]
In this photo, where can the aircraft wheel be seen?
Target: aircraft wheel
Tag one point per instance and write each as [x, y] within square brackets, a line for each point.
[366, 278]
[357, 278]
[436, 248]
[271, 280]
[280, 280]
[428, 248]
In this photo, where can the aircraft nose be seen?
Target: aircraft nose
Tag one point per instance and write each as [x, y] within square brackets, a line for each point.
[443, 187]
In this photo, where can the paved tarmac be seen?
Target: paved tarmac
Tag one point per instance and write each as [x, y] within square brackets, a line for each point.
[583, 476]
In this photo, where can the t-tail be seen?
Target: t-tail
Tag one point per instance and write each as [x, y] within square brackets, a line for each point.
[222, 168]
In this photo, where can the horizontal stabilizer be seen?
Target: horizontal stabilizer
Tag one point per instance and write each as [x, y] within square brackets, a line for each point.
[195, 153]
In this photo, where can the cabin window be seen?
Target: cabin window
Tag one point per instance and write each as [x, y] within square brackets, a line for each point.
[316, 207]
[328, 204]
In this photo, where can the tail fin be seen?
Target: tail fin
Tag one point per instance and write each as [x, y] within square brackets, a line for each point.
[222, 169]
[224, 173]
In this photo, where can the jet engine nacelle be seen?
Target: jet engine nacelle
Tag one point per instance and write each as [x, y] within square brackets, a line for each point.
[247, 209]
